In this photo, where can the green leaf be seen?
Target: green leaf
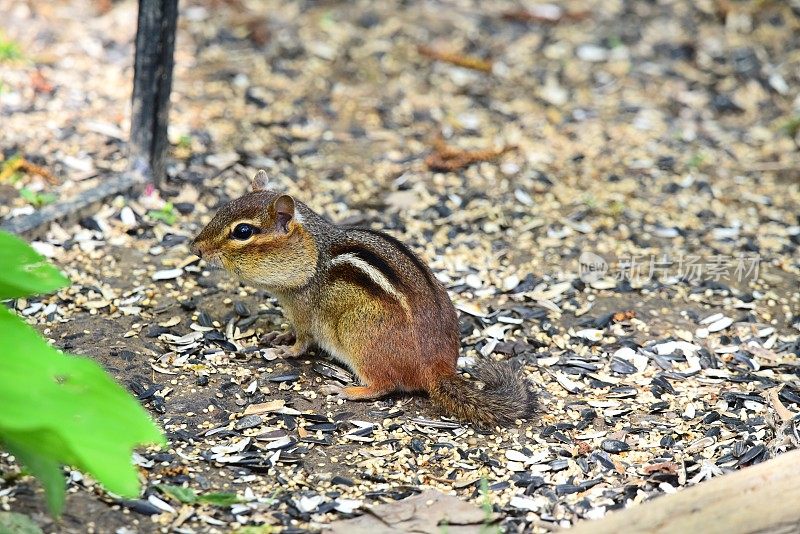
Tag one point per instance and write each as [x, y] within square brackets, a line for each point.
[45, 198]
[219, 499]
[28, 195]
[185, 141]
[23, 271]
[179, 493]
[36, 198]
[68, 410]
[59, 409]
[791, 126]
[166, 214]
[189, 496]
[14, 523]
[9, 50]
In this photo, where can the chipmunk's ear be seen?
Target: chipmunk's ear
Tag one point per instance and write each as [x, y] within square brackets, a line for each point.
[260, 181]
[284, 211]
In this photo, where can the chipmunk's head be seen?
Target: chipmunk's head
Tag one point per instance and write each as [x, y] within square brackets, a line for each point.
[260, 237]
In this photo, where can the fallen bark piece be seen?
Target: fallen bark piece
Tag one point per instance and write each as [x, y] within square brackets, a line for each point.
[430, 512]
[756, 499]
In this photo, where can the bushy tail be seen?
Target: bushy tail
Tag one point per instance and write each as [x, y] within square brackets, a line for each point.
[505, 396]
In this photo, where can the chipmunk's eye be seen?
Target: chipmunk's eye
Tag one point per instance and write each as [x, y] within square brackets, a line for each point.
[243, 231]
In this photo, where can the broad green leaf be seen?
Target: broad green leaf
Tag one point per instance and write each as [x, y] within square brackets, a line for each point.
[179, 493]
[219, 499]
[23, 271]
[14, 523]
[67, 409]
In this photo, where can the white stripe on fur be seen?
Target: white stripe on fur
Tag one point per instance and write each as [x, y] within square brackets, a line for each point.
[374, 274]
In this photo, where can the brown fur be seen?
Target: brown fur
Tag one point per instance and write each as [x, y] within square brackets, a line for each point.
[365, 298]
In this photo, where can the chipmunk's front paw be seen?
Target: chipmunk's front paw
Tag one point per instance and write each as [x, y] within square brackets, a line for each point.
[278, 338]
[300, 348]
[332, 389]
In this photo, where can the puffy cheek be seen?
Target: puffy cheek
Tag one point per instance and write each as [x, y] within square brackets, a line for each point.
[262, 271]
[245, 268]
[265, 269]
[283, 269]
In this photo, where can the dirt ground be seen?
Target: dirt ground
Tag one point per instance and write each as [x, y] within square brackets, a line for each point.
[627, 236]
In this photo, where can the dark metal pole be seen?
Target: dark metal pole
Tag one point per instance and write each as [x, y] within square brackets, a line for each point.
[152, 83]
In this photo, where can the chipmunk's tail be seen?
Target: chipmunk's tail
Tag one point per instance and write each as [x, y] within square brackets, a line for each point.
[504, 397]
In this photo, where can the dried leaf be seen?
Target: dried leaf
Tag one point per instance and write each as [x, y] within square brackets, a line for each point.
[446, 158]
[670, 468]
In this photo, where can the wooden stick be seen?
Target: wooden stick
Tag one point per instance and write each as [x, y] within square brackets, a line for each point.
[37, 223]
[761, 498]
[152, 83]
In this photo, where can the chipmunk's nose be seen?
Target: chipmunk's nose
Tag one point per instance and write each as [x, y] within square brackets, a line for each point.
[195, 249]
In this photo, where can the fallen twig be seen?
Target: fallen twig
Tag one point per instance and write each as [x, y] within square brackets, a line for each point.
[547, 13]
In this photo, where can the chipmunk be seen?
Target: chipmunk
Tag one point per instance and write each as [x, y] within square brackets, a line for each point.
[363, 297]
